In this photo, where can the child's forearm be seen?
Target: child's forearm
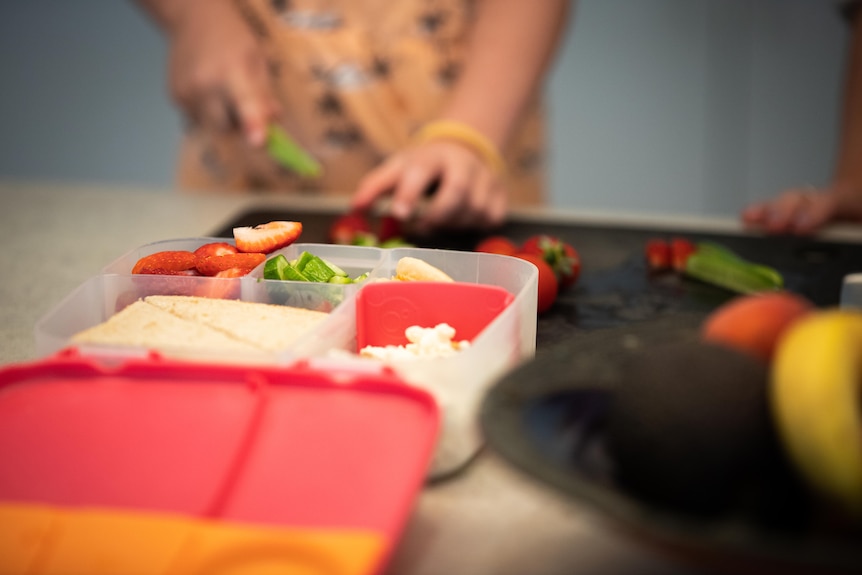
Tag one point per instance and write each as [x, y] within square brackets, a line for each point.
[166, 13]
[510, 50]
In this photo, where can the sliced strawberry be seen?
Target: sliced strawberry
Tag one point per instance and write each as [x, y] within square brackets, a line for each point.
[215, 249]
[222, 289]
[166, 272]
[231, 273]
[183, 283]
[166, 263]
[266, 238]
[212, 265]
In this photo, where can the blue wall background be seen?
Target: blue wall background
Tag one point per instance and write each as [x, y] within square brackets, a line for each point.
[656, 106]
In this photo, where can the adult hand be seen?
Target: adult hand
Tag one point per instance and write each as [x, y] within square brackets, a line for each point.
[218, 70]
[468, 192]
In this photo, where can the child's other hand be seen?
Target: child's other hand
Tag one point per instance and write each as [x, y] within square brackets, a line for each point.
[468, 192]
[218, 71]
[796, 211]
[805, 211]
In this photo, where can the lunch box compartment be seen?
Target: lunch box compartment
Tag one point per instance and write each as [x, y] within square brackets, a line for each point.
[100, 297]
[379, 314]
[385, 310]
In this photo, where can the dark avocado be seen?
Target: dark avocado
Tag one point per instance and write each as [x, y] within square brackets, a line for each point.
[689, 426]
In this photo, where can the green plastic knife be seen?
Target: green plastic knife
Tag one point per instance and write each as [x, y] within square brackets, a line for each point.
[284, 150]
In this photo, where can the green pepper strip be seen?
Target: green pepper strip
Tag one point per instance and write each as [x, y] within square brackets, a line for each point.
[716, 265]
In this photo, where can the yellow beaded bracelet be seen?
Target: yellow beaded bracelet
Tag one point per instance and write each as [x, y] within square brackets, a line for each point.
[450, 129]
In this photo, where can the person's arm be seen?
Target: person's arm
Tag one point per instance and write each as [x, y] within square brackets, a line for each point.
[510, 49]
[805, 211]
[849, 171]
[218, 71]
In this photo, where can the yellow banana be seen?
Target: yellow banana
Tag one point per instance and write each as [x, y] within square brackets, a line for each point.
[815, 397]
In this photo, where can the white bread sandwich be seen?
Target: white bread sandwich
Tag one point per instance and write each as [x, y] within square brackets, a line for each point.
[265, 326]
[182, 325]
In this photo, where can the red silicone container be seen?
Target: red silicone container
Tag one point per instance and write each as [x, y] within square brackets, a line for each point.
[302, 462]
[385, 310]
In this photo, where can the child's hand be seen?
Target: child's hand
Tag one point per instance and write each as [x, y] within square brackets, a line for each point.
[468, 193]
[218, 71]
[805, 211]
[797, 211]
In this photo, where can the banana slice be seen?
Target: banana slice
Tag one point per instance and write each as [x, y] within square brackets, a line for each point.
[415, 270]
[815, 397]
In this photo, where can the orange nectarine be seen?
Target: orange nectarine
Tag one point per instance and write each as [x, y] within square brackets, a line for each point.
[754, 323]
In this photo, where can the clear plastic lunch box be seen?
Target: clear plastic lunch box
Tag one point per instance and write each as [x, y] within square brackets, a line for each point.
[506, 337]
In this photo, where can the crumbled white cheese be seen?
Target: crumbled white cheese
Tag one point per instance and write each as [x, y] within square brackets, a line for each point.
[425, 342]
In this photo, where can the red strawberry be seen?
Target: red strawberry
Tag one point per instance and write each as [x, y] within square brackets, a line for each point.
[680, 249]
[390, 228]
[345, 229]
[213, 265]
[569, 266]
[497, 245]
[562, 257]
[548, 284]
[167, 263]
[266, 238]
[215, 249]
[657, 253]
